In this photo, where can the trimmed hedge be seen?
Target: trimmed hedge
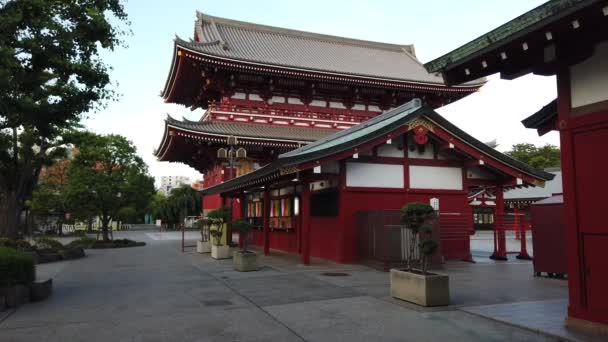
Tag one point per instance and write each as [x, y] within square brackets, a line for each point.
[21, 245]
[118, 243]
[16, 268]
[83, 242]
[44, 242]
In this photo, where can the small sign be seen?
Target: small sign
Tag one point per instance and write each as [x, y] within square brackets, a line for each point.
[434, 203]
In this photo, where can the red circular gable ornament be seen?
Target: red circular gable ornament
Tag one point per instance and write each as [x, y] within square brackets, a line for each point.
[420, 135]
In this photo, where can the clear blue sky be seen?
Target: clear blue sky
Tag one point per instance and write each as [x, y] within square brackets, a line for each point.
[434, 27]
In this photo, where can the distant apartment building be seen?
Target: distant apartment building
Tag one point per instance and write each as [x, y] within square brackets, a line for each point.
[168, 183]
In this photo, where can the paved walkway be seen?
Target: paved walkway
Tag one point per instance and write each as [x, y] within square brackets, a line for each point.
[156, 293]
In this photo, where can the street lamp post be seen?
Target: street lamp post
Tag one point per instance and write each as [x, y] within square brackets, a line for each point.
[231, 153]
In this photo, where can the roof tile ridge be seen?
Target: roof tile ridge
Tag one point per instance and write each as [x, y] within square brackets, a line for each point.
[410, 107]
[202, 18]
[169, 118]
[304, 34]
[191, 42]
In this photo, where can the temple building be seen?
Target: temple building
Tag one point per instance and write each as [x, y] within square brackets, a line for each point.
[569, 39]
[307, 199]
[275, 90]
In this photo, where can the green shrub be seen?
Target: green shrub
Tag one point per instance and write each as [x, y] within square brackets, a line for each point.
[15, 268]
[21, 245]
[45, 242]
[84, 242]
[418, 218]
[118, 243]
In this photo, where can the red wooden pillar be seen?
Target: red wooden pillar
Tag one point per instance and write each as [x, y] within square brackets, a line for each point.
[266, 220]
[305, 224]
[500, 252]
[243, 216]
[523, 252]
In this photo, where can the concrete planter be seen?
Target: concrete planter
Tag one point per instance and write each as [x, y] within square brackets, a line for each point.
[245, 261]
[41, 290]
[220, 252]
[15, 296]
[47, 257]
[34, 256]
[72, 253]
[426, 290]
[203, 246]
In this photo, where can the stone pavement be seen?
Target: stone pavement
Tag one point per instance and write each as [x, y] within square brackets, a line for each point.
[156, 293]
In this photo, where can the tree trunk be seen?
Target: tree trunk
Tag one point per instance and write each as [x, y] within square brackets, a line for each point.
[104, 227]
[90, 224]
[9, 215]
[59, 227]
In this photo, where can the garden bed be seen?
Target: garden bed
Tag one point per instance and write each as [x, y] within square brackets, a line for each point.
[117, 243]
[45, 249]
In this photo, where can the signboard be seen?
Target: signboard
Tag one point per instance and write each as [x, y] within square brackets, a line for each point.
[434, 203]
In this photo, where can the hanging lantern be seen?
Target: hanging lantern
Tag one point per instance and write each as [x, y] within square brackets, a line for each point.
[222, 153]
[241, 153]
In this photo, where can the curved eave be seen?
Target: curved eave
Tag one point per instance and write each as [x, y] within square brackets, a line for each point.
[498, 157]
[173, 130]
[182, 50]
[164, 145]
[301, 162]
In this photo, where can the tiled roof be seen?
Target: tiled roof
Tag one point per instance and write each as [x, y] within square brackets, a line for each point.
[542, 117]
[544, 14]
[553, 186]
[256, 131]
[366, 132]
[274, 46]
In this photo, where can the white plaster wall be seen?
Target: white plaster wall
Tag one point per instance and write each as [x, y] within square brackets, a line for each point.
[589, 79]
[239, 96]
[294, 100]
[374, 175]
[336, 105]
[394, 149]
[331, 167]
[278, 99]
[359, 107]
[318, 103]
[476, 172]
[434, 177]
[255, 97]
[429, 150]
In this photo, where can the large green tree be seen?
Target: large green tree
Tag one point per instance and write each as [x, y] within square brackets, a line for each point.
[539, 157]
[108, 172]
[181, 202]
[50, 74]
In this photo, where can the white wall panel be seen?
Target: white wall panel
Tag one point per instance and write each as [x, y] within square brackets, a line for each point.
[434, 177]
[318, 103]
[394, 149]
[239, 96]
[589, 79]
[374, 175]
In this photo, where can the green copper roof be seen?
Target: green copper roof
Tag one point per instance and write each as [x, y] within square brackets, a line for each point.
[548, 12]
[356, 136]
[356, 132]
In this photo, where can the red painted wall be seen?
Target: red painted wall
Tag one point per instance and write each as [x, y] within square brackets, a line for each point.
[211, 202]
[584, 183]
[353, 201]
[325, 238]
[454, 234]
[455, 222]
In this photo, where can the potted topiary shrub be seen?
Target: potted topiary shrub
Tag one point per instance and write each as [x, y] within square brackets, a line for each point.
[218, 248]
[204, 245]
[415, 284]
[17, 272]
[244, 260]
